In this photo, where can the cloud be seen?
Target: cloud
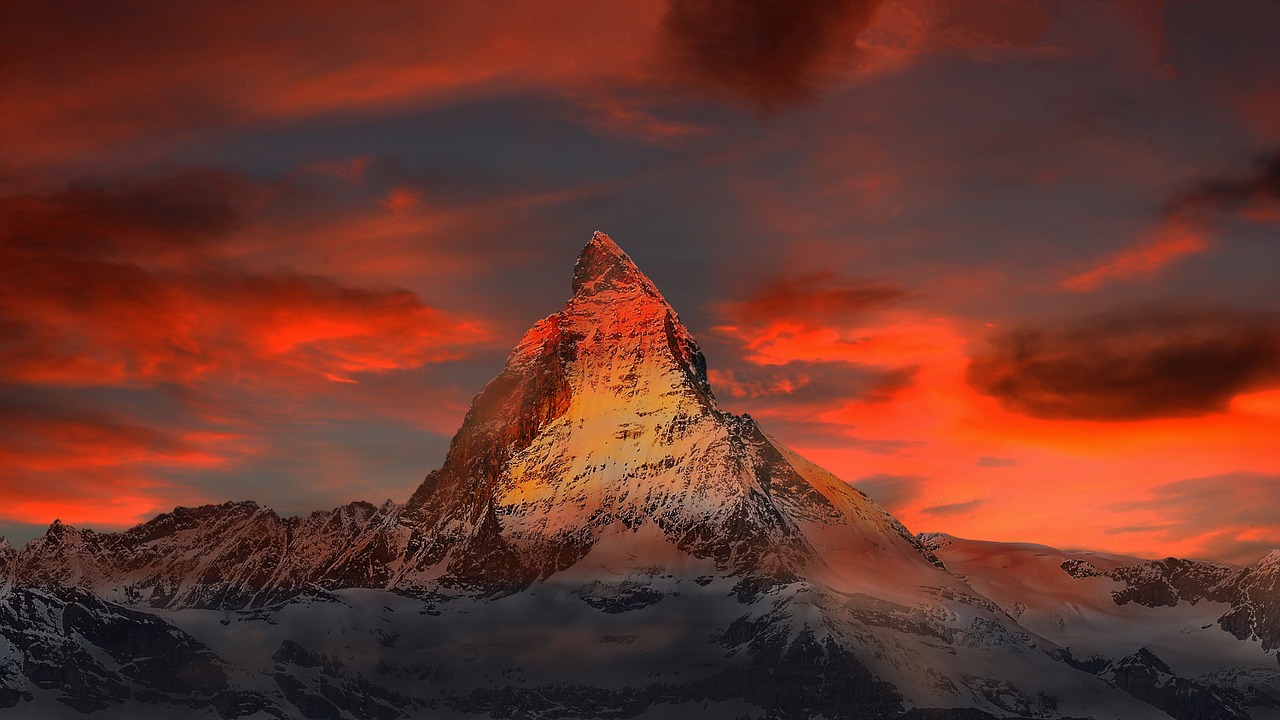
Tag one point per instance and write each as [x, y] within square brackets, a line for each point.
[807, 317]
[1171, 241]
[1131, 364]
[816, 298]
[142, 70]
[147, 359]
[952, 509]
[770, 53]
[808, 384]
[618, 116]
[1254, 193]
[1190, 218]
[400, 200]
[991, 23]
[802, 354]
[125, 282]
[989, 461]
[891, 492]
[78, 461]
[61, 440]
[1229, 516]
[179, 212]
[791, 399]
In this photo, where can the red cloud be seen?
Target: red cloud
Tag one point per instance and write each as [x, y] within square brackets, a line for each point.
[1171, 242]
[770, 52]
[85, 466]
[1228, 517]
[77, 79]
[612, 115]
[138, 287]
[814, 298]
[127, 285]
[1131, 364]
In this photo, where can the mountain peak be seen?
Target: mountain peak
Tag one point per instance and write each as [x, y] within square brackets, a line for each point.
[602, 427]
[602, 265]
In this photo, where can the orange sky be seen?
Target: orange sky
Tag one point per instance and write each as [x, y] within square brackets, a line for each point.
[1008, 267]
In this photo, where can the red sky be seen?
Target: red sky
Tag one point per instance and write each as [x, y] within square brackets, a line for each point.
[1010, 267]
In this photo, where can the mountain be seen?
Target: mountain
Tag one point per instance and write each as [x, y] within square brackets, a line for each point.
[1194, 638]
[603, 424]
[601, 540]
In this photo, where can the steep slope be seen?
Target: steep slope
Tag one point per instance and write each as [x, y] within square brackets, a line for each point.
[1255, 603]
[603, 420]
[1176, 632]
[8, 559]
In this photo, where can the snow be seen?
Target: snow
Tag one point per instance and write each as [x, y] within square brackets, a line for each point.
[1081, 614]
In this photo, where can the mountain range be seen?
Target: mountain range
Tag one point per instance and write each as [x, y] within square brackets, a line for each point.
[603, 541]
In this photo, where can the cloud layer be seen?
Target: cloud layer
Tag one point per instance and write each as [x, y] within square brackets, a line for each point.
[1131, 364]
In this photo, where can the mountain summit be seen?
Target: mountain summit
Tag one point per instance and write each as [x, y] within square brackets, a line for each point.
[604, 427]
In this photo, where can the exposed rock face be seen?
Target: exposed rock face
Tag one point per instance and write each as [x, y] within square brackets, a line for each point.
[1255, 603]
[219, 556]
[8, 559]
[1163, 583]
[1253, 593]
[1147, 677]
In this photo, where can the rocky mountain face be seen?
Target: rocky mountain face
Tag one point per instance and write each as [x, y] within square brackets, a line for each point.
[1253, 593]
[602, 422]
[602, 540]
[233, 555]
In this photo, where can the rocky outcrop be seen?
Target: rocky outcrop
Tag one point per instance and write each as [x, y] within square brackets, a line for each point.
[1147, 677]
[1253, 592]
[1255, 603]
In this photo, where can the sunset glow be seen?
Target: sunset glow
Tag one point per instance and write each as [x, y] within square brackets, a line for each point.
[1012, 272]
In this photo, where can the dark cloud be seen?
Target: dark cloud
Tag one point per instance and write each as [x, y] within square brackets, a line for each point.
[1258, 187]
[800, 383]
[951, 509]
[136, 294]
[770, 53]
[119, 281]
[1131, 365]
[987, 23]
[1128, 529]
[147, 72]
[816, 298]
[893, 492]
[105, 217]
[1233, 515]
[988, 461]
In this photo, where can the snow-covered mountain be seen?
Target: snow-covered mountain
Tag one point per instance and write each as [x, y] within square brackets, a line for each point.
[603, 540]
[1194, 638]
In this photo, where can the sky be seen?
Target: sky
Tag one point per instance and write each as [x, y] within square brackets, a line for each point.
[1011, 267]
